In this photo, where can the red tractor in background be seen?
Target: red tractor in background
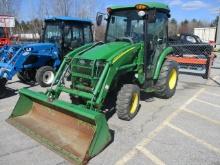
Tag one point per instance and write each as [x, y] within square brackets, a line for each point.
[6, 25]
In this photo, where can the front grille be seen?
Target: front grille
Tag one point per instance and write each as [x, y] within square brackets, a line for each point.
[86, 73]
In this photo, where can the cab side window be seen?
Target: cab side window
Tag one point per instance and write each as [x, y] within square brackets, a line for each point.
[159, 29]
[77, 34]
[87, 35]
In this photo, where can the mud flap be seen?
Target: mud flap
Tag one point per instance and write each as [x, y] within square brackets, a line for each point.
[76, 133]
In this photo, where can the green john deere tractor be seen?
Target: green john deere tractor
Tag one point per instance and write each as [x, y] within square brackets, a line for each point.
[132, 59]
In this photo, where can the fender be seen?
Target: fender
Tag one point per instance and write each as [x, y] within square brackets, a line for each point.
[161, 60]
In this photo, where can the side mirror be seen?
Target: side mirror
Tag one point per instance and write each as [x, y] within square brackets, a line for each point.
[152, 16]
[42, 33]
[99, 18]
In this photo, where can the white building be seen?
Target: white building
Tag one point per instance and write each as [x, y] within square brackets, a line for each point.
[206, 34]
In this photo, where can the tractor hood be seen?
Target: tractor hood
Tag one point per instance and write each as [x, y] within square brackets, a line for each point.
[36, 48]
[32, 45]
[42, 48]
[104, 51]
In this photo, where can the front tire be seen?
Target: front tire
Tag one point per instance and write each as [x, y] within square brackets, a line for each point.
[127, 104]
[45, 76]
[167, 81]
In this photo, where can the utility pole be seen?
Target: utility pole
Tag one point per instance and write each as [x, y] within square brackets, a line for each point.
[218, 32]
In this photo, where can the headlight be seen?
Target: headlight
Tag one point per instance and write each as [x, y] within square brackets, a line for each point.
[91, 63]
[26, 53]
[27, 49]
[82, 62]
[100, 63]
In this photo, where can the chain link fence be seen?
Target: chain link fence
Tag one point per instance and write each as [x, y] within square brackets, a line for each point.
[193, 59]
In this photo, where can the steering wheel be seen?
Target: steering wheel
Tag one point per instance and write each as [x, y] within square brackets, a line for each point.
[54, 39]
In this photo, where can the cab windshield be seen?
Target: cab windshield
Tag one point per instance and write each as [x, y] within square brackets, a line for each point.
[53, 33]
[125, 25]
[71, 35]
[128, 25]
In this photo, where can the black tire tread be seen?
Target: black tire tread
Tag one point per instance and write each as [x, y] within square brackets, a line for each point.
[123, 101]
[26, 80]
[162, 83]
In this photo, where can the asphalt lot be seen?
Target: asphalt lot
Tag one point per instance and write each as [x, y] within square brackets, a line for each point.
[182, 130]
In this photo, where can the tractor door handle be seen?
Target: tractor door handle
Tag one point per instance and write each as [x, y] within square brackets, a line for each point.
[160, 41]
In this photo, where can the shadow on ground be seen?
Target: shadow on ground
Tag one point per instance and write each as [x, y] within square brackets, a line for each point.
[215, 81]
[9, 92]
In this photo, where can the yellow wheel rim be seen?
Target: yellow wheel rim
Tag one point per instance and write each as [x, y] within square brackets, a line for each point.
[173, 79]
[134, 103]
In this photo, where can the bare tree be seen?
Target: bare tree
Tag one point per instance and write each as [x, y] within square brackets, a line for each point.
[10, 7]
[62, 7]
[184, 27]
[100, 33]
[43, 9]
[88, 10]
[214, 23]
[173, 27]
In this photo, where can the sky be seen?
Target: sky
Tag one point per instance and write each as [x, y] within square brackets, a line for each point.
[180, 9]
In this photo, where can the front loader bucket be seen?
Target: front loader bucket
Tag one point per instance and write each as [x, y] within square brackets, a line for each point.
[74, 132]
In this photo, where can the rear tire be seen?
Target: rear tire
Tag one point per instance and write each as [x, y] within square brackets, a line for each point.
[3, 82]
[127, 104]
[45, 76]
[167, 81]
[27, 77]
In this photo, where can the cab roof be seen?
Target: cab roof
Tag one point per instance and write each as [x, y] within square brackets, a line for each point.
[151, 5]
[66, 18]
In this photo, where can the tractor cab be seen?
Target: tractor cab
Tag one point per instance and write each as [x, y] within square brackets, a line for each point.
[136, 24]
[145, 24]
[67, 33]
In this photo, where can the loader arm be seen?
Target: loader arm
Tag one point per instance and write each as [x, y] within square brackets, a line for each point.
[27, 57]
[124, 61]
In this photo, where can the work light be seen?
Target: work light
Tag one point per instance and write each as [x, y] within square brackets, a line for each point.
[141, 7]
